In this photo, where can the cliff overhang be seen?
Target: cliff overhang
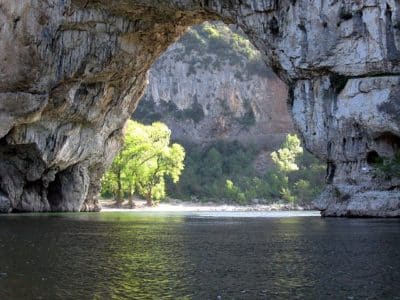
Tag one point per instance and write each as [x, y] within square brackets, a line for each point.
[72, 71]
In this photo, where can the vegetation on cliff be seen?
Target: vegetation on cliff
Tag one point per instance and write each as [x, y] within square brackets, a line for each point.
[217, 44]
[224, 171]
[148, 165]
[143, 163]
[386, 167]
[147, 112]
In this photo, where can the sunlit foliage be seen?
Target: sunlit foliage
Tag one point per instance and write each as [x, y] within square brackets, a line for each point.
[217, 44]
[143, 163]
[224, 172]
[285, 157]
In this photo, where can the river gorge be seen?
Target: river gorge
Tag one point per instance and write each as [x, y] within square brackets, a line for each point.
[72, 72]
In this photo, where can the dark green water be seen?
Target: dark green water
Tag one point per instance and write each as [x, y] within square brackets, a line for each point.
[204, 256]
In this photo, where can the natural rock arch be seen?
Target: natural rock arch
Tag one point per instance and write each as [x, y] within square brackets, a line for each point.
[72, 72]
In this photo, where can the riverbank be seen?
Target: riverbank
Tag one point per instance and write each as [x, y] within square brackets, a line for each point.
[177, 205]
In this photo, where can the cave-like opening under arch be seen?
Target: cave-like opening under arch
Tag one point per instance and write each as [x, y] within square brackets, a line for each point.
[214, 91]
[72, 72]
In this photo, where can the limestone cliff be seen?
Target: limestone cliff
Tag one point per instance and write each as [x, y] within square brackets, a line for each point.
[72, 72]
[206, 89]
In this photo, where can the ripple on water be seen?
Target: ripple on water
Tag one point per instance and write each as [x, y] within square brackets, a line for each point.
[231, 255]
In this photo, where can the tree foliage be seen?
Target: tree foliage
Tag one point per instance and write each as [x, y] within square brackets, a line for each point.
[298, 176]
[387, 167]
[217, 44]
[285, 158]
[224, 172]
[143, 163]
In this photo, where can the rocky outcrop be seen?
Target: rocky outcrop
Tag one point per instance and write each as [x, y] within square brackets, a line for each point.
[206, 89]
[72, 72]
[360, 127]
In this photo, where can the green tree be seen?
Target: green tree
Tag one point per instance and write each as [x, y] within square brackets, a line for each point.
[213, 163]
[298, 175]
[168, 162]
[143, 163]
[285, 157]
[224, 171]
[285, 160]
[234, 192]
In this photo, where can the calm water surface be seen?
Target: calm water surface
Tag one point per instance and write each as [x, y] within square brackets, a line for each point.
[198, 256]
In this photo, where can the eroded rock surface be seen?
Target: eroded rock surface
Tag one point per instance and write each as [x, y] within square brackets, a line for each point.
[206, 90]
[72, 71]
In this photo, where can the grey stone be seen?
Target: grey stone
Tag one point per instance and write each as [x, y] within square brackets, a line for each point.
[5, 204]
[225, 101]
[72, 72]
[347, 203]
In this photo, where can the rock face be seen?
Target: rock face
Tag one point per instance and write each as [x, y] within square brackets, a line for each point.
[206, 90]
[72, 72]
[70, 75]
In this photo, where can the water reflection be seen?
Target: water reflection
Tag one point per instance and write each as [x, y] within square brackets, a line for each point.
[147, 260]
[104, 257]
[136, 256]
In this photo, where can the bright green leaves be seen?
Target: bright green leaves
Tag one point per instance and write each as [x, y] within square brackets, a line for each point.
[285, 158]
[298, 175]
[143, 163]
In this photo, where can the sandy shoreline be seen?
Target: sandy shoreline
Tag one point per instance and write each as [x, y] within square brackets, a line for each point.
[181, 206]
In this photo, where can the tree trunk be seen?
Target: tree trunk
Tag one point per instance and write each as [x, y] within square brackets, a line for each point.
[131, 203]
[149, 198]
[119, 199]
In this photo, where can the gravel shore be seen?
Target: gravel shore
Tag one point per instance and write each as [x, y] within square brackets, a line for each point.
[177, 205]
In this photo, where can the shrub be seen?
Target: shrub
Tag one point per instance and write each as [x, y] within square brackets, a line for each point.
[224, 171]
[387, 168]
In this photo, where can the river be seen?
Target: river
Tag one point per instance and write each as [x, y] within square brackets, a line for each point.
[247, 255]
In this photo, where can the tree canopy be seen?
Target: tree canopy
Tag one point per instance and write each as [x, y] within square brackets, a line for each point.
[143, 163]
[285, 158]
[224, 171]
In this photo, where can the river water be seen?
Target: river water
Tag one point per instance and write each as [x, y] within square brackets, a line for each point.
[198, 256]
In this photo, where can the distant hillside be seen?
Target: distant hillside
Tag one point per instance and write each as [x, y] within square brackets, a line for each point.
[228, 110]
[213, 85]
